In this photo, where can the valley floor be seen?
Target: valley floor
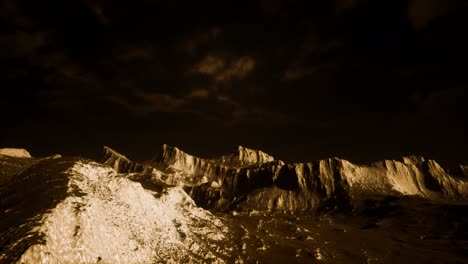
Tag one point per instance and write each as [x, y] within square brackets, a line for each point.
[429, 233]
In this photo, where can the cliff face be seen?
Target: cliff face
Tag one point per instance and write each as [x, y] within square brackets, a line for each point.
[253, 180]
[332, 183]
[198, 170]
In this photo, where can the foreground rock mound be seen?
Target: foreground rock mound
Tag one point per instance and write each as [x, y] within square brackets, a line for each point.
[77, 211]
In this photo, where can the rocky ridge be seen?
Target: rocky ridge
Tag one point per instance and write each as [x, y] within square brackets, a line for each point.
[256, 181]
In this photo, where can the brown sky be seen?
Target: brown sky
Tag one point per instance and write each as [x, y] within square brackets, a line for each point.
[304, 80]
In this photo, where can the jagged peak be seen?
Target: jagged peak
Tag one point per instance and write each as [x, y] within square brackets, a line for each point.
[111, 152]
[245, 156]
[175, 157]
[15, 152]
[464, 170]
[171, 151]
[246, 149]
[413, 160]
[166, 147]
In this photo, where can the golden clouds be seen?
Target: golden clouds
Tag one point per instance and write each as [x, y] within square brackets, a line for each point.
[221, 70]
[210, 66]
[199, 94]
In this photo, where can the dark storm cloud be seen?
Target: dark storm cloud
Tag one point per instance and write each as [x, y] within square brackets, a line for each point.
[314, 57]
[137, 73]
[193, 42]
[99, 45]
[442, 103]
[422, 12]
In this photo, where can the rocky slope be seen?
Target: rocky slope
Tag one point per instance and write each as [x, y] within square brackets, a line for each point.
[253, 180]
[11, 165]
[13, 161]
[72, 210]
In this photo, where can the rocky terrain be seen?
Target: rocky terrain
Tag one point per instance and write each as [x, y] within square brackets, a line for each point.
[244, 207]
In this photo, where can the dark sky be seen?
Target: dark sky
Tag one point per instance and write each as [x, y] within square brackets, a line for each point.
[300, 79]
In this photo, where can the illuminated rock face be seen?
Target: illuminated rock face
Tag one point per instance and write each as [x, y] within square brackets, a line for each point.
[119, 162]
[195, 170]
[96, 215]
[172, 158]
[335, 183]
[14, 152]
[253, 180]
[244, 157]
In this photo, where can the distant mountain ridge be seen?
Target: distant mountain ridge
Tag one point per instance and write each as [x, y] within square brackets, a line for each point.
[254, 180]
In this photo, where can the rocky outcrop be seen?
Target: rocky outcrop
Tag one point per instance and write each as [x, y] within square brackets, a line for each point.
[172, 167]
[15, 152]
[426, 179]
[179, 167]
[95, 215]
[174, 160]
[120, 163]
[243, 157]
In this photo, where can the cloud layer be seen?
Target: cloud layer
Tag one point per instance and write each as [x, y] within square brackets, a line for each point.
[290, 70]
